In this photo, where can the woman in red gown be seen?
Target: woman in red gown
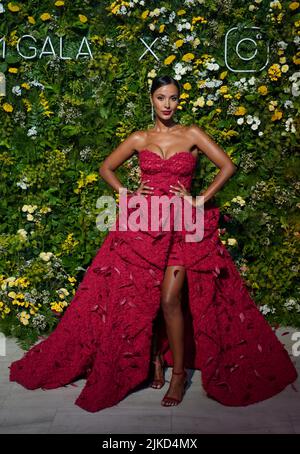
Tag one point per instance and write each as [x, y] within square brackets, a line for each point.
[134, 291]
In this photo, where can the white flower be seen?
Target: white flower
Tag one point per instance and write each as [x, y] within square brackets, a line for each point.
[265, 309]
[282, 44]
[172, 16]
[22, 233]
[289, 125]
[240, 121]
[16, 90]
[289, 104]
[22, 184]
[231, 241]
[32, 131]
[212, 66]
[35, 83]
[29, 217]
[249, 119]
[1, 8]
[238, 199]
[254, 126]
[46, 256]
[62, 292]
[152, 73]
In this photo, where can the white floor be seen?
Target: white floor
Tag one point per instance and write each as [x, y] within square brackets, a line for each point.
[53, 411]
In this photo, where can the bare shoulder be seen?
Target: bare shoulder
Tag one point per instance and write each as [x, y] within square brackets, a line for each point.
[136, 139]
[196, 130]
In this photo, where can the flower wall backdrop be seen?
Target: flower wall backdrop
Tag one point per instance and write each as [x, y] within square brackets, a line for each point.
[74, 83]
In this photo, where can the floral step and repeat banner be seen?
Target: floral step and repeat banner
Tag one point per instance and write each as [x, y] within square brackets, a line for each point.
[74, 83]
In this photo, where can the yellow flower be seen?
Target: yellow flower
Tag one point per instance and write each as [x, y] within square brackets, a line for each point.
[179, 43]
[296, 59]
[181, 12]
[277, 115]
[12, 295]
[188, 57]
[144, 14]
[72, 279]
[187, 86]
[262, 90]
[91, 178]
[199, 102]
[69, 243]
[240, 111]
[224, 89]
[13, 70]
[25, 85]
[62, 292]
[45, 16]
[24, 318]
[285, 68]
[274, 71]
[82, 18]
[31, 20]
[196, 42]
[294, 5]
[232, 241]
[223, 75]
[7, 107]
[13, 7]
[209, 102]
[59, 3]
[161, 28]
[199, 19]
[169, 59]
[23, 282]
[27, 104]
[184, 95]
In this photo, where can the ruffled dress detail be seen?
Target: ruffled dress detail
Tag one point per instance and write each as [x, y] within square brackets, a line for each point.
[106, 332]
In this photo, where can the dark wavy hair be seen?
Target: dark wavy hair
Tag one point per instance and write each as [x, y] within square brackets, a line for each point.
[159, 81]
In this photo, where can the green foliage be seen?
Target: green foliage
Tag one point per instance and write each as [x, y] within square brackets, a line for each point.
[61, 118]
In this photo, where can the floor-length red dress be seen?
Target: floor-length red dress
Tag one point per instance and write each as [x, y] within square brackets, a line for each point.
[106, 332]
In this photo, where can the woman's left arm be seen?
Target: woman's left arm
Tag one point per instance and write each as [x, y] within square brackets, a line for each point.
[217, 155]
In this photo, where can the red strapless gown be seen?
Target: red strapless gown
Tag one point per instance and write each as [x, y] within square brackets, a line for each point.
[106, 332]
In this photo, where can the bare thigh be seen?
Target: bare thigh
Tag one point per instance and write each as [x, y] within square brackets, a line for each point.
[172, 286]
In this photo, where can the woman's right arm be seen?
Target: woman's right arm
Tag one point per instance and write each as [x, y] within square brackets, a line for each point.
[116, 158]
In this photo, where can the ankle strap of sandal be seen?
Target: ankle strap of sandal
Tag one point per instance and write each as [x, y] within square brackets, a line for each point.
[179, 373]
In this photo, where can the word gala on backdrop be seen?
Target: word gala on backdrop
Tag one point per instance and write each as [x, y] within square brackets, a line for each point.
[28, 49]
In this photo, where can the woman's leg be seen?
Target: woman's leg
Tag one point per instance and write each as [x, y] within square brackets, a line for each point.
[158, 347]
[173, 316]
